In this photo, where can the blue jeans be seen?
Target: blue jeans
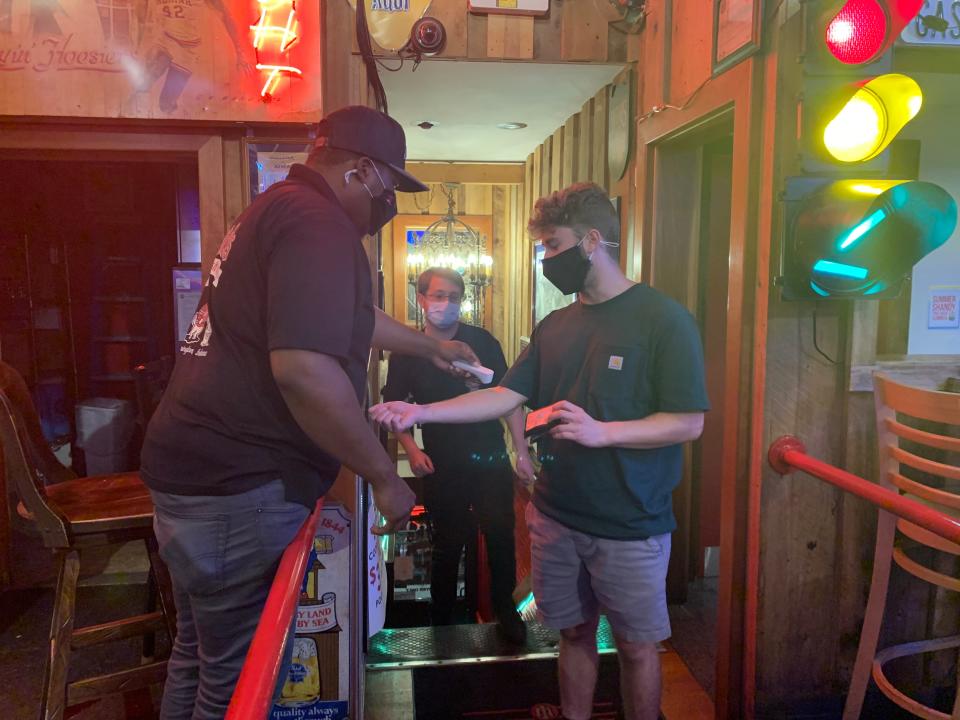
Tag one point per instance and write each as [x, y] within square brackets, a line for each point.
[222, 553]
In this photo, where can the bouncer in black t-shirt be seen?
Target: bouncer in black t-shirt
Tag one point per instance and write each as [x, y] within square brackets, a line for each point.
[466, 466]
[265, 400]
[622, 372]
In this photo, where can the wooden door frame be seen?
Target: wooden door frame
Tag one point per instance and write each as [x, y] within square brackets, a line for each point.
[737, 94]
[64, 141]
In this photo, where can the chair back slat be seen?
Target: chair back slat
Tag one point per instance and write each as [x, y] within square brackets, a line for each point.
[930, 467]
[940, 442]
[925, 492]
[925, 537]
[933, 405]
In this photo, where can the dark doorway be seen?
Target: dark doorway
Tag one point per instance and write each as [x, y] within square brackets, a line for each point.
[85, 281]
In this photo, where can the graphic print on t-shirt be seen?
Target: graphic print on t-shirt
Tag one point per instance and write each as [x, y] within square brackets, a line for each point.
[198, 336]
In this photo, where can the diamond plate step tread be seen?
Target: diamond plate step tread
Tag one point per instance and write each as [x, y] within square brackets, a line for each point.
[401, 648]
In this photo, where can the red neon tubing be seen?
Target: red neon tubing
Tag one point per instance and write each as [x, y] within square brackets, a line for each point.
[788, 453]
[253, 695]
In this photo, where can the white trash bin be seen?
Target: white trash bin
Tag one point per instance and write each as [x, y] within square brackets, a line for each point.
[104, 430]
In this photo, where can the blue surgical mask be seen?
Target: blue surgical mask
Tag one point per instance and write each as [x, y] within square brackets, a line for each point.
[443, 314]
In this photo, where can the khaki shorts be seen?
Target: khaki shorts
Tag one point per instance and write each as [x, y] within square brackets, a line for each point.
[577, 576]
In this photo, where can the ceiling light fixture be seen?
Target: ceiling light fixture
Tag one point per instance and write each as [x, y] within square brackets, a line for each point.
[511, 125]
[426, 124]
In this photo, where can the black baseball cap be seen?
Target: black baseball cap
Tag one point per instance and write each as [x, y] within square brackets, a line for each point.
[373, 134]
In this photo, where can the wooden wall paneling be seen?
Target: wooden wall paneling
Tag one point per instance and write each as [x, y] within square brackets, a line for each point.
[476, 36]
[234, 192]
[454, 16]
[583, 33]
[472, 173]
[546, 34]
[497, 248]
[654, 60]
[571, 149]
[387, 259]
[212, 206]
[585, 143]
[691, 33]
[556, 161]
[478, 200]
[340, 67]
[518, 40]
[546, 167]
[599, 134]
[496, 36]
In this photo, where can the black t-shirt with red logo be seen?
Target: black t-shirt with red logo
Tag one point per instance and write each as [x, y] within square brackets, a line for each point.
[291, 273]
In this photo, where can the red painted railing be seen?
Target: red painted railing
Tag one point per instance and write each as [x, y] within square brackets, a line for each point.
[788, 453]
[258, 679]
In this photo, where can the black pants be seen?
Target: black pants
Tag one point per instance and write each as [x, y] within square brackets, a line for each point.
[458, 501]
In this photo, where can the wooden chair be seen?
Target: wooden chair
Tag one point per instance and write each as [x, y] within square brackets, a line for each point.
[938, 485]
[71, 514]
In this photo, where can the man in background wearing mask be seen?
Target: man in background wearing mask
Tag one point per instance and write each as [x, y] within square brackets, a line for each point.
[621, 371]
[265, 400]
[466, 466]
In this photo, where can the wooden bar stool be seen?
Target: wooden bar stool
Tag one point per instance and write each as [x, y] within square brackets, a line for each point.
[938, 485]
[71, 514]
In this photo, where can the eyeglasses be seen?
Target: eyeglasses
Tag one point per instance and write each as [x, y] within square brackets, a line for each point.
[455, 298]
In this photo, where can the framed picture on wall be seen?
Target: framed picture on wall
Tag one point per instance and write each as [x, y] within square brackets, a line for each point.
[269, 161]
[736, 31]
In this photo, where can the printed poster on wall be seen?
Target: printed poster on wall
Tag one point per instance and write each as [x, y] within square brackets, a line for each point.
[944, 307]
[163, 59]
[318, 683]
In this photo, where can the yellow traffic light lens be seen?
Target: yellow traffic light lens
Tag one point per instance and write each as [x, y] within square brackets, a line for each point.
[872, 118]
[857, 131]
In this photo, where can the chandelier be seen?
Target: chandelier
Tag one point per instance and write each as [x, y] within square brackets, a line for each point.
[451, 243]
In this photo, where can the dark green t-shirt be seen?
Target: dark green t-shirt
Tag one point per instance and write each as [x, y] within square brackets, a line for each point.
[634, 355]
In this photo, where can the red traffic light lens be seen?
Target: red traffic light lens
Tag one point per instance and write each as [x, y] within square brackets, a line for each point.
[858, 33]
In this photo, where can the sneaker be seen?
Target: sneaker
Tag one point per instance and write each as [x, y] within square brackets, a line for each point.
[511, 627]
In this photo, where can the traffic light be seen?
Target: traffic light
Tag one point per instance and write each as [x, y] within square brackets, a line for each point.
[859, 238]
[863, 30]
[849, 231]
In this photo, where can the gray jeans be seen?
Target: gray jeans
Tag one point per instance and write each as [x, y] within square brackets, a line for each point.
[222, 553]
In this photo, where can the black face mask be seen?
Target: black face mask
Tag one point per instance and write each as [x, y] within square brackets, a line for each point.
[383, 208]
[567, 270]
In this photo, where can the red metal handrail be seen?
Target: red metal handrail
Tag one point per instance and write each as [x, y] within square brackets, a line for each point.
[788, 453]
[258, 679]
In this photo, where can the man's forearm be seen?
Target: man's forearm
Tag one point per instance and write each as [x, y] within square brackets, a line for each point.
[478, 406]
[515, 426]
[406, 439]
[323, 402]
[657, 430]
[388, 334]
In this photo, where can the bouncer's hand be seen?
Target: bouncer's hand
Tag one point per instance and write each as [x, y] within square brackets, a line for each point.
[420, 463]
[576, 426]
[394, 499]
[396, 416]
[450, 350]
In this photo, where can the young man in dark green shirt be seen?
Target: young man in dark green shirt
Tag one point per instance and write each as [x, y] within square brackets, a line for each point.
[622, 372]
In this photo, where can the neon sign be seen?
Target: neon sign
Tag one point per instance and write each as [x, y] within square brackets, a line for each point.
[273, 42]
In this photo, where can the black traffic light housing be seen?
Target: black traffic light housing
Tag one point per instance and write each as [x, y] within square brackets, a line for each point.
[846, 239]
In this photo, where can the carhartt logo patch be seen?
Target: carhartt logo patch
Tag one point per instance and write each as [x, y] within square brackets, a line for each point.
[616, 362]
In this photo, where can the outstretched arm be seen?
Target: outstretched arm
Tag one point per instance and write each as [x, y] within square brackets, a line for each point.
[388, 334]
[478, 406]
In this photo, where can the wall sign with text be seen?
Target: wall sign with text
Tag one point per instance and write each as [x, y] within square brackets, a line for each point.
[161, 59]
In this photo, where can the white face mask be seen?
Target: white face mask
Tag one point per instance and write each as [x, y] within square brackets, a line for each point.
[442, 314]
